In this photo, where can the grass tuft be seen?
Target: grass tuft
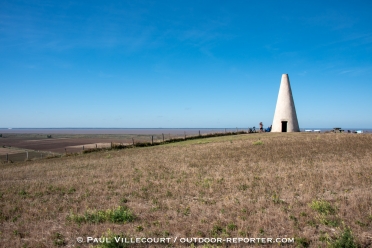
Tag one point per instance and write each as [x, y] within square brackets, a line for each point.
[58, 239]
[302, 242]
[258, 143]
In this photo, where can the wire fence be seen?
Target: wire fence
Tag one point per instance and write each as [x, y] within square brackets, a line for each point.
[17, 156]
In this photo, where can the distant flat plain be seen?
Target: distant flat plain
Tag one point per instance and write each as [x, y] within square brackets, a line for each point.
[16, 142]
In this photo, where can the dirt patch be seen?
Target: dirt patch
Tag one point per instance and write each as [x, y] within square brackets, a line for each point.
[4, 151]
[42, 140]
[91, 146]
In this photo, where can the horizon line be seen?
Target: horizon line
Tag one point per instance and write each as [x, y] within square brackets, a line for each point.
[8, 128]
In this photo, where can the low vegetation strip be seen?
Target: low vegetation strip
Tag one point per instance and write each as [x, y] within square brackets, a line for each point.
[156, 143]
[315, 188]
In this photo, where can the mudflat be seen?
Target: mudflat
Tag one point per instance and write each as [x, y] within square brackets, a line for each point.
[59, 142]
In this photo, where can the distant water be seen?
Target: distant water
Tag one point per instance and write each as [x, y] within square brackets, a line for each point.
[144, 131]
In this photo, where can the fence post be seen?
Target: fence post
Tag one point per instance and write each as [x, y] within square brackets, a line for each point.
[111, 144]
[65, 151]
[199, 132]
[225, 130]
[83, 148]
[41, 155]
[152, 139]
[27, 155]
[185, 134]
[7, 158]
[96, 146]
[163, 137]
[133, 141]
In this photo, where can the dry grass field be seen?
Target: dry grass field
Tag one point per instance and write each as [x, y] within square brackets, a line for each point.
[315, 188]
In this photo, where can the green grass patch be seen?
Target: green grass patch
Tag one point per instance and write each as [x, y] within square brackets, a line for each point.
[323, 207]
[119, 215]
[258, 142]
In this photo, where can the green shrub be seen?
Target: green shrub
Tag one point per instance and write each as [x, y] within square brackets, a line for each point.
[93, 150]
[216, 230]
[345, 239]
[113, 241]
[302, 242]
[329, 222]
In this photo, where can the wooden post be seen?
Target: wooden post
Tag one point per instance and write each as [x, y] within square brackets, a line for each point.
[236, 130]
[225, 130]
[96, 146]
[169, 137]
[65, 151]
[185, 134]
[7, 157]
[83, 148]
[27, 155]
[163, 137]
[199, 132]
[133, 141]
[152, 139]
[111, 145]
[41, 155]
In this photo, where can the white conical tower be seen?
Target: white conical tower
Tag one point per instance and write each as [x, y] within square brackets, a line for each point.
[285, 117]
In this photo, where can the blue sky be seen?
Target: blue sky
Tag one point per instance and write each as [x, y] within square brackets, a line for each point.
[138, 64]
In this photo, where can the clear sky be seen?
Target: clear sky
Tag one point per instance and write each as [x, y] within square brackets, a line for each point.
[138, 64]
